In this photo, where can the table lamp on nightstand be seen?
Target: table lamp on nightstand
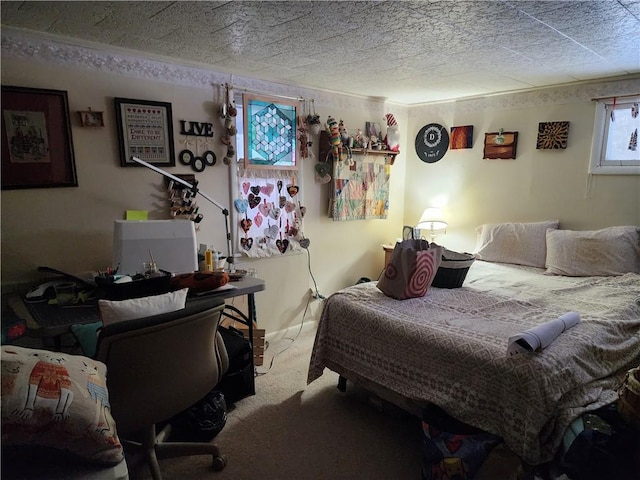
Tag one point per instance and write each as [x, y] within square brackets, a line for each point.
[433, 221]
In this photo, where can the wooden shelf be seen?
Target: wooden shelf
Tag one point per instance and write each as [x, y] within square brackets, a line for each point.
[324, 150]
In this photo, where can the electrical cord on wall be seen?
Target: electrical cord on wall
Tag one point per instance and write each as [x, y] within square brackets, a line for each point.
[292, 340]
[315, 296]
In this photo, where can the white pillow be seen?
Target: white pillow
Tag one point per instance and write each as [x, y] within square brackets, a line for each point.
[519, 243]
[610, 251]
[113, 311]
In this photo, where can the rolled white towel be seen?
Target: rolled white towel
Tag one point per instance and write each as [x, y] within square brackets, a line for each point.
[541, 336]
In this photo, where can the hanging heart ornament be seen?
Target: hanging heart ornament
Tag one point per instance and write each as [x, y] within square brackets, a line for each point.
[264, 208]
[246, 243]
[258, 219]
[245, 187]
[274, 213]
[271, 231]
[241, 204]
[246, 224]
[282, 245]
[267, 189]
[304, 242]
[292, 190]
[254, 200]
[255, 190]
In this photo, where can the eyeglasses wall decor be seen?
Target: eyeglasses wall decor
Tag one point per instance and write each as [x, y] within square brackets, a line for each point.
[145, 130]
[37, 146]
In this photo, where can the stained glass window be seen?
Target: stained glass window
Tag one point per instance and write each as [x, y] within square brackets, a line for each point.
[270, 136]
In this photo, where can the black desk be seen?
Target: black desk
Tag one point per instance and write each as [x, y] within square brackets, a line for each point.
[50, 321]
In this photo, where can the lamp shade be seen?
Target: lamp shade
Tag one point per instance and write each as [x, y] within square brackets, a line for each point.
[432, 219]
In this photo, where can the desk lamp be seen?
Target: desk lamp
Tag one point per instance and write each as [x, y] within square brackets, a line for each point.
[195, 190]
[433, 220]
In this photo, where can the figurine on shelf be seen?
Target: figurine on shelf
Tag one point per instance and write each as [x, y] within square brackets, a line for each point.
[392, 140]
[344, 133]
[334, 137]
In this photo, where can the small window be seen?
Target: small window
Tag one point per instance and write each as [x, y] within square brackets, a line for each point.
[615, 150]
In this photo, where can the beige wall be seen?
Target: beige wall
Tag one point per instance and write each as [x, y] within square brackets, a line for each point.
[70, 228]
[538, 184]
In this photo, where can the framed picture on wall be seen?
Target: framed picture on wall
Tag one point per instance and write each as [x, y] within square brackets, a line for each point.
[37, 147]
[145, 130]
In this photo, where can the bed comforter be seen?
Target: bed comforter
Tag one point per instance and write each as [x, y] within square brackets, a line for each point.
[449, 348]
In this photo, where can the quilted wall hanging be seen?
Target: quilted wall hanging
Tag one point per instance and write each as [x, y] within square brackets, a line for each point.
[360, 188]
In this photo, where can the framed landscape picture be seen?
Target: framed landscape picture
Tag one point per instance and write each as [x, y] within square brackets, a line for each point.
[145, 130]
[37, 147]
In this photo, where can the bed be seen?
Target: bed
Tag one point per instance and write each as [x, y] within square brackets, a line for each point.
[449, 348]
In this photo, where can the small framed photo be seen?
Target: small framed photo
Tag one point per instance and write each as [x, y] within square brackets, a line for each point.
[90, 118]
[373, 130]
[461, 137]
[145, 131]
[37, 146]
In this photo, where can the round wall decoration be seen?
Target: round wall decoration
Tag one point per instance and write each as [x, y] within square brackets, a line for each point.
[432, 142]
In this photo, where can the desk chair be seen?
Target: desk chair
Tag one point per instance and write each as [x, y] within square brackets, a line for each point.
[158, 367]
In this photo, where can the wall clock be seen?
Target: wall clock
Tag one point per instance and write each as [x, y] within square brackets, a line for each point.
[432, 142]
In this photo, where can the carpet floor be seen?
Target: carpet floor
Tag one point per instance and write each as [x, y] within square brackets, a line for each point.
[291, 430]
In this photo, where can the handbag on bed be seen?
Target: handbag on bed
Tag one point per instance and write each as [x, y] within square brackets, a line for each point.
[411, 269]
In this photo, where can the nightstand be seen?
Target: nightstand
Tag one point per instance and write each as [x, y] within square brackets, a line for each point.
[388, 250]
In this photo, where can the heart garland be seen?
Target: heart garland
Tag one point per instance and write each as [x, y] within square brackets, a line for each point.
[257, 196]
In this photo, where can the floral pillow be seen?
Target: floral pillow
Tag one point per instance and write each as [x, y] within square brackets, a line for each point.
[56, 400]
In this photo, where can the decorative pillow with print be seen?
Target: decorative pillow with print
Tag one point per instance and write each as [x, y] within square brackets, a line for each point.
[56, 400]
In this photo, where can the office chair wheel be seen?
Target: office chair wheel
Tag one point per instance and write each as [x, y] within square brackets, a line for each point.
[219, 463]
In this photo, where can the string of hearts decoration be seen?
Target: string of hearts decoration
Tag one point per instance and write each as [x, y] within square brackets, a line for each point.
[269, 216]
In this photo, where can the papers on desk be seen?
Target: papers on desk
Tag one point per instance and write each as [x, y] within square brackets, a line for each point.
[227, 286]
[541, 336]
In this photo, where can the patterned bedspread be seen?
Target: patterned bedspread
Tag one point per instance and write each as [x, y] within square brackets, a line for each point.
[450, 346]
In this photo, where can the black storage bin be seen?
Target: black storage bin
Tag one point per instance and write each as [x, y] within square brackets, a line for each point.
[237, 383]
[453, 269]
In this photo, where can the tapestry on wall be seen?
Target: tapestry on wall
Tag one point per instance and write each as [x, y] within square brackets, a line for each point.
[269, 213]
[360, 188]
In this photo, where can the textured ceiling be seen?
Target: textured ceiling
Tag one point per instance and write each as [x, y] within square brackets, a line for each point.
[404, 51]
